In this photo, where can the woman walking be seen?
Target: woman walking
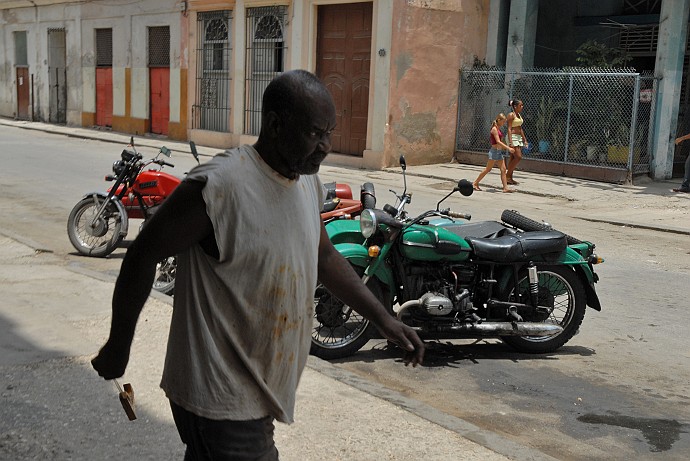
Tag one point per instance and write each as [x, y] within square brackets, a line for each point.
[497, 153]
[516, 137]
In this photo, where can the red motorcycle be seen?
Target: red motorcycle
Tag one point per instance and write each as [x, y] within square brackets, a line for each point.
[339, 203]
[99, 221]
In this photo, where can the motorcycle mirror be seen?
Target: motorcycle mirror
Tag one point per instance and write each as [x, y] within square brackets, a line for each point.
[165, 151]
[403, 164]
[192, 146]
[465, 187]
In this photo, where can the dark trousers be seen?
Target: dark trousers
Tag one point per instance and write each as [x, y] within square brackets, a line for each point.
[224, 440]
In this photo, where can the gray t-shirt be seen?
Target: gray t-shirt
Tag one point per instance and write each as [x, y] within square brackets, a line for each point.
[241, 325]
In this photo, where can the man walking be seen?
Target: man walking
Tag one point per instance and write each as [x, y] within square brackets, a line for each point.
[251, 245]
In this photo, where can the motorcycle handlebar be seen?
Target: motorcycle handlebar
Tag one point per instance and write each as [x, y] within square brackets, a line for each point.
[453, 214]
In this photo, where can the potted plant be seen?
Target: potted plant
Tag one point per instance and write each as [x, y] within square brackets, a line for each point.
[544, 122]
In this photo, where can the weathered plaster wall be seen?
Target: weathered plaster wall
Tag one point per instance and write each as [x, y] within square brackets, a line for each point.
[431, 40]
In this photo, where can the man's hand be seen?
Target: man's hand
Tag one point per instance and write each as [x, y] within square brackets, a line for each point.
[406, 338]
[111, 361]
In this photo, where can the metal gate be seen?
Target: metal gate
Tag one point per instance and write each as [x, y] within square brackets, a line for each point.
[265, 58]
[590, 117]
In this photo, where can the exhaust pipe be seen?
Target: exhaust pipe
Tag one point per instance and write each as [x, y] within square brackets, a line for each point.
[487, 328]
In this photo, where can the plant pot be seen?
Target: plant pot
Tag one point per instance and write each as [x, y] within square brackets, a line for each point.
[544, 146]
[619, 154]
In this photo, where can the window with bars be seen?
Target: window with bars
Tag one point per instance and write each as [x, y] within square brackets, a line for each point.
[104, 47]
[211, 109]
[159, 46]
[265, 58]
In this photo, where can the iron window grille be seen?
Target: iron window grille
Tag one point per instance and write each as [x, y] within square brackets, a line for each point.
[265, 58]
[211, 110]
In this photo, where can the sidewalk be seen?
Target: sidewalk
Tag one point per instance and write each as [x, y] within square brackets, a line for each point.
[56, 407]
[647, 204]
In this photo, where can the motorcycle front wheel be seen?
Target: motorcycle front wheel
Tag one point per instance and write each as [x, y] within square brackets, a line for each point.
[97, 238]
[164, 281]
[339, 331]
[562, 294]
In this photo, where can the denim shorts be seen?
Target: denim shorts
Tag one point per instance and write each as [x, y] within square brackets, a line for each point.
[497, 154]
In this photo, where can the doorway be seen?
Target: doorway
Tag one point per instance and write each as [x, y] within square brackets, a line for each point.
[343, 60]
[22, 76]
[57, 76]
[159, 78]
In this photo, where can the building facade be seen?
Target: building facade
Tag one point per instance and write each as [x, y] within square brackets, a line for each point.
[196, 69]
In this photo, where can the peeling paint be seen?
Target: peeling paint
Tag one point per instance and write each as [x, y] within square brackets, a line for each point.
[445, 5]
[403, 62]
[420, 127]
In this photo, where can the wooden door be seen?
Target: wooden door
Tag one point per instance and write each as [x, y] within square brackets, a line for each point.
[343, 59]
[160, 99]
[104, 96]
[23, 93]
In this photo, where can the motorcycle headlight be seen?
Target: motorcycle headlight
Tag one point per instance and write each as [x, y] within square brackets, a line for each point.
[118, 166]
[367, 223]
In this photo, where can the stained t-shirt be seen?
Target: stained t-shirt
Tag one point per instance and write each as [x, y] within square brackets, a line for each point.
[241, 324]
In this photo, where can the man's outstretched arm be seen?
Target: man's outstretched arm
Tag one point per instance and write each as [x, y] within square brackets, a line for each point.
[341, 279]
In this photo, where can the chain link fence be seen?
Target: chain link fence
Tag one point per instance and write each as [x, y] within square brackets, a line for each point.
[593, 117]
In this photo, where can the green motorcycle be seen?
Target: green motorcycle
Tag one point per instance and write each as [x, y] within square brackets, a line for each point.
[518, 280]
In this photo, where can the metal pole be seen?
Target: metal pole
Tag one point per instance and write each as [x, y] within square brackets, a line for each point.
[567, 120]
[633, 124]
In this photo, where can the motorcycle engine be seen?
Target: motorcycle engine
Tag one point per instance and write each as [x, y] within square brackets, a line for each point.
[441, 290]
[436, 304]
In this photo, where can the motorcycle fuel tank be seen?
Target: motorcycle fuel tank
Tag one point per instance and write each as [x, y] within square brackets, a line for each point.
[434, 242]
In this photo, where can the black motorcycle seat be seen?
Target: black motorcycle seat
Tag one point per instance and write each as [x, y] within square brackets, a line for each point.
[518, 247]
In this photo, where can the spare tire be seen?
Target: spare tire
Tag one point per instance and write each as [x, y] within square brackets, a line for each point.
[513, 218]
[368, 196]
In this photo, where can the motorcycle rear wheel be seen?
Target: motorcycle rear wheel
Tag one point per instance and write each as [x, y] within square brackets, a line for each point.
[101, 239]
[561, 290]
[337, 334]
[164, 280]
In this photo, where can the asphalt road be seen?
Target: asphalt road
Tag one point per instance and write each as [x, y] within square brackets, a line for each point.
[618, 390]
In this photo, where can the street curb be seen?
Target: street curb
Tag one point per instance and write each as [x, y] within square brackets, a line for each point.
[672, 230]
[485, 438]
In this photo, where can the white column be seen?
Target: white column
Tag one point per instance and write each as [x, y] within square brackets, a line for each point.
[238, 51]
[670, 51]
[522, 33]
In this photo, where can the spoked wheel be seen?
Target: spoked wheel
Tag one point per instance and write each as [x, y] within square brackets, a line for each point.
[338, 331]
[164, 280]
[563, 303]
[94, 238]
